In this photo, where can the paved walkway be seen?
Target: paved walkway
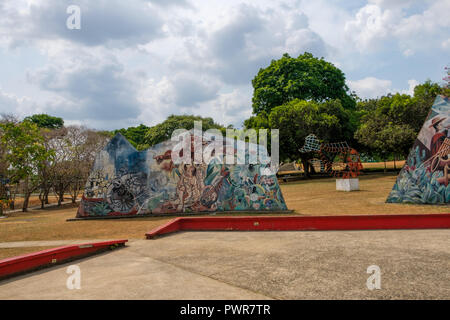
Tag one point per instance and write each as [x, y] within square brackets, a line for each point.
[415, 264]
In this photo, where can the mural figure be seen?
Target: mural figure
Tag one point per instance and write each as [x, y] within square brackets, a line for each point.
[124, 181]
[425, 176]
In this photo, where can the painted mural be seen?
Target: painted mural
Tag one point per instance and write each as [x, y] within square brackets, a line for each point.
[124, 181]
[425, 175]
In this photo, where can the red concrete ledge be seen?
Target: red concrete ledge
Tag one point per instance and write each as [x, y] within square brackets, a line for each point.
[36, 260]
[284, 223]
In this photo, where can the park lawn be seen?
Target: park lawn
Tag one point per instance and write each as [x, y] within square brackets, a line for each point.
[319, 197]
[306, 197]
[51, 224]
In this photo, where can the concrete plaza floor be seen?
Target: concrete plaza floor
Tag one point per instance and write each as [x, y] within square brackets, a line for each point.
[415, 264]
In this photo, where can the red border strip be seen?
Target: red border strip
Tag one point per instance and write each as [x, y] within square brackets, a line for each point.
[268, 223]
[35, 260]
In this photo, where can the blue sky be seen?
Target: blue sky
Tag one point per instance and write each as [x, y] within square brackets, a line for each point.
[138, 61]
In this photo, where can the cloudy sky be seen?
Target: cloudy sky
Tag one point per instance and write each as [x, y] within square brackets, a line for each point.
[138, 61]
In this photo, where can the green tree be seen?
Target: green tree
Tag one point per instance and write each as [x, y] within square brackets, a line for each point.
[46, 121]
[390, 124]
[163, 131]
[305, 77]
[298, 118]
[384, 137]
[136, 136]
[26, 154]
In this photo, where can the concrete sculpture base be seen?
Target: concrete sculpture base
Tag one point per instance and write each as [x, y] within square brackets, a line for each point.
[347, 184]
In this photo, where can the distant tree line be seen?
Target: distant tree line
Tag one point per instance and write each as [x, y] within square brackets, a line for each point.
[39, 155]
[298, 96]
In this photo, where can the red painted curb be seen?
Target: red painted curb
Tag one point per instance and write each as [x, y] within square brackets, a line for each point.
[268, 223]
[35, 260]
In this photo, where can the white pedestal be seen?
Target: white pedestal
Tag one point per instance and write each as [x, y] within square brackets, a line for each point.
[347, 184]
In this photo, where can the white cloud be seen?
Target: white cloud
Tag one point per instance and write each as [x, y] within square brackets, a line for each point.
[89, 88]
[142, 60]
[12, 104]
[412, 83]
[103, 22]
[408, 52]
[381, 23]
[370, 87]
[246, 40]
[370, 25]
[446, 44]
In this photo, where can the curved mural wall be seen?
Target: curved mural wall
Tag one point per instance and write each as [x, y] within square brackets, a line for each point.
[425, 175]
[124, 181]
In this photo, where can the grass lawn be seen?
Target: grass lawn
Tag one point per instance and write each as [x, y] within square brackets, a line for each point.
[319, 197]
[306, 197]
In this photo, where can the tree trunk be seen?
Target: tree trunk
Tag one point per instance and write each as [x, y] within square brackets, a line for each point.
[26, 195]
[74, 197]
[42, 199]
[306, 168]
[385, 170]
[395, 165]
[74, 194]
[60, 198]
[25, 202]
[46, 197]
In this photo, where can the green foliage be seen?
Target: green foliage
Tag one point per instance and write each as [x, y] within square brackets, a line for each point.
[390, 124]
[298, 118]
[305, 77]
[136, 135]
[46, 121]
[26, 151]
[163, 131]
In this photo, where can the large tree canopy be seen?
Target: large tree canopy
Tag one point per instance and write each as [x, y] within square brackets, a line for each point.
[163, 131]
[304, 78]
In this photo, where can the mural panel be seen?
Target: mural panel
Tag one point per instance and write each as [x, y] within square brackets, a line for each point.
[425, 175]
[124, 181]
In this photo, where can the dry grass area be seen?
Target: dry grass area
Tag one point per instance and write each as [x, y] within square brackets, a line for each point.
[34, 201]
[380, 165]
[319, 197]
[51, 224]
[308, 197]
[13, 252]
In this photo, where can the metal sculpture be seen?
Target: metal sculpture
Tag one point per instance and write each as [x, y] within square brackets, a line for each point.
[336, 158]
